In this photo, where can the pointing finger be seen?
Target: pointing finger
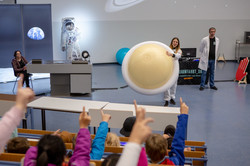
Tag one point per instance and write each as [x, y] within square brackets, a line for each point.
[135, 104]
[83, 109]
[180, 100]
[102, 112]
[140, 114]
[20, 81]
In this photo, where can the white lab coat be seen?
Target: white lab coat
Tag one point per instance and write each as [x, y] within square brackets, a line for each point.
[204, 52]
[170, 93]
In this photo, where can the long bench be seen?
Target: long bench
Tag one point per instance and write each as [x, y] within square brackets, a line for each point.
[110, 149]
[197, 145]
[196, 157]
[194, 154]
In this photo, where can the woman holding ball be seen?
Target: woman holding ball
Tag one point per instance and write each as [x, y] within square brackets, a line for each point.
[169, 95]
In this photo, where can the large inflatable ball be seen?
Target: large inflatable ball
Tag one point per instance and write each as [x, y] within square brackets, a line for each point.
[121, 54]
[148, 70]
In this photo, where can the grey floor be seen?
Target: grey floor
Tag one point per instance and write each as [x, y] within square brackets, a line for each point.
[220, 118]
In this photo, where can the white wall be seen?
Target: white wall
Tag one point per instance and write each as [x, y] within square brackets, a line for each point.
[102, 33]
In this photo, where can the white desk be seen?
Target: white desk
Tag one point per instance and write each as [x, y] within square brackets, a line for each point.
[118, 112]
[63, 105]
[162, 116]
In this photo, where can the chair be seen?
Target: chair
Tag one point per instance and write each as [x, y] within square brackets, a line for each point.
[30, 78]
[13, 90]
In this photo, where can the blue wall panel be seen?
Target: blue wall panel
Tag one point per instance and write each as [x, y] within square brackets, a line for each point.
[10, 33]
[15, 22]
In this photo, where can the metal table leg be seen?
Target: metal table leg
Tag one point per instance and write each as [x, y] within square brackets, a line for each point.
[24, 124]
[43, 119]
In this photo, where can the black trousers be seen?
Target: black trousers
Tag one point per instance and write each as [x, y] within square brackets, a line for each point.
[26, 78]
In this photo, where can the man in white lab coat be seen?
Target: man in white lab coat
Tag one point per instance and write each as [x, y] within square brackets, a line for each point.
[208, 51]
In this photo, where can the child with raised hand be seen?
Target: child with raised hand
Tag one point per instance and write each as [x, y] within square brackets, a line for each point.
[98, 145]
[156, 145]
[51, 149]
[12, 118]
[83, 142]
[132, 154]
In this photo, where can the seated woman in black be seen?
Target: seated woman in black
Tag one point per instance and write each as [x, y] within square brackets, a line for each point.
[19, 66]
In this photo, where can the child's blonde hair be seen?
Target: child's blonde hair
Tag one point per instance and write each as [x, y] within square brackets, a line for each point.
[66, 136]
[112, 140]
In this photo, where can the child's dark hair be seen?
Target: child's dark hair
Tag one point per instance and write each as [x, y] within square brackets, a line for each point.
[51, 149]
[111, 160]
[169, 141]
[18, 145]
[169, 130]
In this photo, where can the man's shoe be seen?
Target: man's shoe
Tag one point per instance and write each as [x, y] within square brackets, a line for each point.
[214, 88]
[172, 102]
[201, 88]
[166, 104]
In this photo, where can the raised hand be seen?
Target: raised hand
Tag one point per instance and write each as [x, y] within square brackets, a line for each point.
[24, 95]
[84, 119]
[184, 108]
[105, 117]
[135, 104]
[140, 131]
[57, 132]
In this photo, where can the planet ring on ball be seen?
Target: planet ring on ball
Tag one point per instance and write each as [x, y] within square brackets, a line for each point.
[147, 68]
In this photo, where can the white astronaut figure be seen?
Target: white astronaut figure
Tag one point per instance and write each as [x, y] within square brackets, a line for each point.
[70, 37]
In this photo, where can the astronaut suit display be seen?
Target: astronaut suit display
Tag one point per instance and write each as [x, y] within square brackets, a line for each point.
[69, 39]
